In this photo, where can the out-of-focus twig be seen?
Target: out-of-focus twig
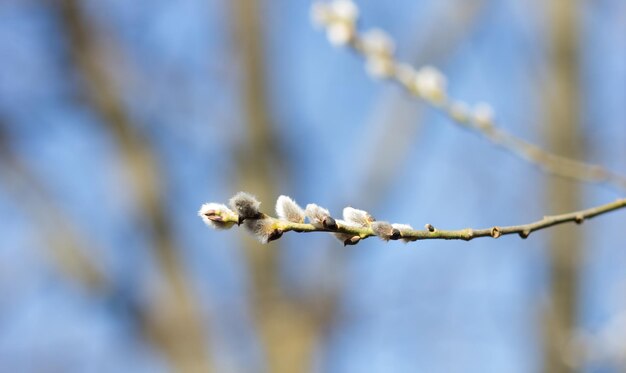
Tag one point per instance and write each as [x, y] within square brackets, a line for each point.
[548, 162]
[340, 23]
[173, 323]
[288, 328]
[562, 102]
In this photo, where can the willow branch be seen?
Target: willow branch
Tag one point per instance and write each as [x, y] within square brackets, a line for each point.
[357, 225]
[339, 19]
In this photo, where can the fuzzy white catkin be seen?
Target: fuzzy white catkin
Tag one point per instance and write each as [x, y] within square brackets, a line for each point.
[431, 84]
[357, 217]
[483, 114]
[220, 210]
[287, 209]
[316, 214]
[340, 33]
[383, 229]
[245, 204]
[402, 227]
[263, 229]
[338, 17]
[376, 42]
[345, 10]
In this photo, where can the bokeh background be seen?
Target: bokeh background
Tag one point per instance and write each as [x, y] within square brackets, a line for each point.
[118, 119]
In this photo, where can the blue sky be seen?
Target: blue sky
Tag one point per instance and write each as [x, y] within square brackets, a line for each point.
[432, 306]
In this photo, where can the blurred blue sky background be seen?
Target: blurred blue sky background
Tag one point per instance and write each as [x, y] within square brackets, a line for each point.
[343, 139]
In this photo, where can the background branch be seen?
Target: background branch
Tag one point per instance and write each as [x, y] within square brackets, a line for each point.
[557, 165]
[172, 322]
[563, 102]
[288, 328]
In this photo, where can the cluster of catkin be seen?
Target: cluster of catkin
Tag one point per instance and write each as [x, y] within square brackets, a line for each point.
[244, 208]
[339, 17]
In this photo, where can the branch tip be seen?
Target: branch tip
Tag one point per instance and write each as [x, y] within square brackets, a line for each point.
[217, 216]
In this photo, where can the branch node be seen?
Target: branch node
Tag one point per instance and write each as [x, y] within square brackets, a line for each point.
[496, 232]
[276, 234]
[395, 234]
[430, 228]
[352, 241]
[579, 219]
[329, 223]
[525, 233]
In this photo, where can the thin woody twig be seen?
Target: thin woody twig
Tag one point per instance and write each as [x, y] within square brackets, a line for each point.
[358, 225]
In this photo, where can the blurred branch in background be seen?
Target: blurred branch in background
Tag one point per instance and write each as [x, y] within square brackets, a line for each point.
[173, 322]
[66, 247]
[563, 134]
[289, 328]
[339, 20]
